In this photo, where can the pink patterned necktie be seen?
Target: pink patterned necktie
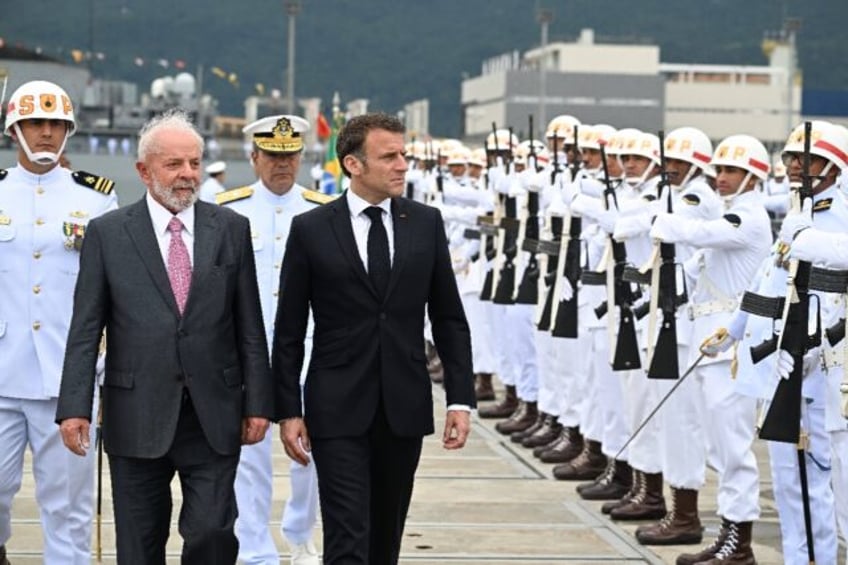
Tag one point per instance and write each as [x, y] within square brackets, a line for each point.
[179, 264]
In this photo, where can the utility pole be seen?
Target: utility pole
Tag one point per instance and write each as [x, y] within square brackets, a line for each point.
[292, 9]
[544, 17]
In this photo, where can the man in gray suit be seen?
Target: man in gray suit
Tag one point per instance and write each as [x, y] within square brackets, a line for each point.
[187, 382]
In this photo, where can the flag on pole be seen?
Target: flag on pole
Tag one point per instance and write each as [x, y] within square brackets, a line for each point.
[331, 182]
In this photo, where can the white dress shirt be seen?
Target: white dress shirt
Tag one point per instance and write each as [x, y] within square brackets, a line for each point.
[362, 224]
[161, 216]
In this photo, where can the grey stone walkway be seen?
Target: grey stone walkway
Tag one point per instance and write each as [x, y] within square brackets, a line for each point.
[491, 503]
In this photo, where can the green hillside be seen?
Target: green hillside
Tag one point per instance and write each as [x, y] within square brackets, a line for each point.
[396, 51]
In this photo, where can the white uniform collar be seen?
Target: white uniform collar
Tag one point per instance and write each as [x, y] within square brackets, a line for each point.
[35, 179]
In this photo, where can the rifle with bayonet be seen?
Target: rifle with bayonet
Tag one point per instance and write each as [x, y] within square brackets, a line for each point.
[782, 422]
[410, 185]
[528, 290]
[489, 228]
[663, 363]
[625, 354]
[783, 419]
[564, 312]
[510, 225]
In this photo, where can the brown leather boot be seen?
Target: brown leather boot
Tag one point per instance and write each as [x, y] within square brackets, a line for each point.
[708, 552]
[648, 504]
[518, 437]
[736, 549]
[589, 464]
[612, 485]
[502, 409]
[483, 389]
[567, 447]
[523, 417]
[681, 526]
[635, 487]
[549, 431]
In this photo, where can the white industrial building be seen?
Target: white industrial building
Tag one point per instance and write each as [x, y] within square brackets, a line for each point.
[629, 86]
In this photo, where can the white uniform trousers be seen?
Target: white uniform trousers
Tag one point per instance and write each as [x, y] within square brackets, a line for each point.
[616, 422]
[787, 492]
[506, 364]
[684, 447]
[641, 396]
[301, 512]
[593, 413]
[64, 482]
[546, 360]
[254, 485]
[573, 364]
[519, 330]
[839, 480]
[730, 421]
[482, 341]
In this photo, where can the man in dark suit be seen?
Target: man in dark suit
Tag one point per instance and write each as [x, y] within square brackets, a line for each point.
[367, 398]
[187, 382]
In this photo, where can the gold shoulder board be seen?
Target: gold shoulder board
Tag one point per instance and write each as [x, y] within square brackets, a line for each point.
[317, 197]
[233, 195]
[94, 182]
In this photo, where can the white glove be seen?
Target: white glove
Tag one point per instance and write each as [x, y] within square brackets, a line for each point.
[497, 176]
[316, 172]
[663, 228]
[583, 205]
[566, 291]
[718, 342]
[795, 222]
[100, 368]
[786, 363]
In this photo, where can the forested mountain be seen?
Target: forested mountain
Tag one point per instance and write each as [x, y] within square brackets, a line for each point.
[396, 51]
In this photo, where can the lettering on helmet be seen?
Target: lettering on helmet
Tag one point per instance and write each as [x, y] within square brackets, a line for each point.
[739, 152]
[46, 102]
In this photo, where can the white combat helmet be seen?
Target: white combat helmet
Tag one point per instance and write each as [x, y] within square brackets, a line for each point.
[743, 152]
[39, 100]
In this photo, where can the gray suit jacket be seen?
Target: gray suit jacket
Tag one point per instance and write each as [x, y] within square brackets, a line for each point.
[216, 350]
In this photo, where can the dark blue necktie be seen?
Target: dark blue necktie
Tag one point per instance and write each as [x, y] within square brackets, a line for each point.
[379, 263]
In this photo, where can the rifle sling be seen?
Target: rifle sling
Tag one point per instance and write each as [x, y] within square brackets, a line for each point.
[593, 278]
[828, 280]
[764, 306]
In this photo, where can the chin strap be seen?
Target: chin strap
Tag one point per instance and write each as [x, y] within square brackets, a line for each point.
[40, 157]
[728, 198]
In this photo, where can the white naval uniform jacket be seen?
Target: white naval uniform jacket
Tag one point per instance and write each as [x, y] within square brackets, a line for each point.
[760, 380]
[42, 226]
[730, 248]
[270, 218]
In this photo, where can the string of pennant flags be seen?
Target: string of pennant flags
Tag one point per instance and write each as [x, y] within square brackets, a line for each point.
[81, 56]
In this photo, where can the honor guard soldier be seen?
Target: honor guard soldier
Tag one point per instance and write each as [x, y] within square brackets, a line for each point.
[214, 185]
[688, 152]
[708, 413]
[755, 327]
[270, 203]
[44, 210]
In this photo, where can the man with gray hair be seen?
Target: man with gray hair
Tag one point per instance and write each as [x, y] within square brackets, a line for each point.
[172, 281]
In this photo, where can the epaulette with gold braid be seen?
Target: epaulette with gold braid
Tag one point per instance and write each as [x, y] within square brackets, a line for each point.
[233, 195]
[3, 173]
[317, 197]
[94, 182]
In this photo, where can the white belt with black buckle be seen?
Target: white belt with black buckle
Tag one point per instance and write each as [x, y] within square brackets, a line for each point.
[711, 307]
